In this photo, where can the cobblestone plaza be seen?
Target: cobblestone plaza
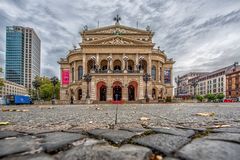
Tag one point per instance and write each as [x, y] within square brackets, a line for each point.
[143, 131]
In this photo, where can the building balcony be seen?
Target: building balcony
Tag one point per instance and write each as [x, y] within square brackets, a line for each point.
[116, 72]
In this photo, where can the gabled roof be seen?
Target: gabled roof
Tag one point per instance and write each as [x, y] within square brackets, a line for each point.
[117, 28]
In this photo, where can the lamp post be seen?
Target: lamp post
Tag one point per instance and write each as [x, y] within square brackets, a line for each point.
[146, 78]
[87, 78]
[54, 81]
[177, 80]
[194, 84]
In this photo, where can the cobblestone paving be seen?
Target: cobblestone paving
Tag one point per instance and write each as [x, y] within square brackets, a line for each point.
[169, 132]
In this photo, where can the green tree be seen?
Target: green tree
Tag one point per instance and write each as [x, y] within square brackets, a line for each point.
[46, 88]
[220, 96]
[1, 80]
[200, 98]
[211, 97]
[46, 91]
[36, 84]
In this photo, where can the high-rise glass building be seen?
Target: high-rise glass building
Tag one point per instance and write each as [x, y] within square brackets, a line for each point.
[23, 54]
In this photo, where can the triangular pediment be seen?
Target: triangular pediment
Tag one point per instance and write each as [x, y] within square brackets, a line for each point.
[116, 29]
[116, 40]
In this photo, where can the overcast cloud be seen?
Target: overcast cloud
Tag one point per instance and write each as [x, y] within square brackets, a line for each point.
[200, 35]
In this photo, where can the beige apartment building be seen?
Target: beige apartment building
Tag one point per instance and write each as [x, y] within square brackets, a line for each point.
[11, 88]
[212, 82]
[117, 58]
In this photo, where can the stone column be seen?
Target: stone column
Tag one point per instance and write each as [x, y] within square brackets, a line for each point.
[92, 90]
[158, 72]
[136, 62]
[97, 59]
[149, 66]
[111, 63]
[75, 72]
[125, 89]
[84, 64]
[109, 89]
[141, 90]
[162, 74]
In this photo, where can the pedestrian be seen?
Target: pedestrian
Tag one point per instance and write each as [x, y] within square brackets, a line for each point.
[71, 101]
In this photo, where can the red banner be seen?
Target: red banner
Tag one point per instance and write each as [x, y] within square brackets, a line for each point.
[65, 76]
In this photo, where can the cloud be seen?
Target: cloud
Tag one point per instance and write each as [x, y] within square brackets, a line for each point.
[199, 35]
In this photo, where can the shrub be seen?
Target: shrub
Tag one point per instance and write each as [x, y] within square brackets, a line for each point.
[220, 96]
[211, 97]
[200, 98]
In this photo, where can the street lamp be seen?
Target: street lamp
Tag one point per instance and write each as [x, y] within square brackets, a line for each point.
[194, 84]
[54, 81]
[146, 78]
[87, 78]
[177, 80]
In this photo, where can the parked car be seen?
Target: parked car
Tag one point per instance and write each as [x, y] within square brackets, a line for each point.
[228, 100]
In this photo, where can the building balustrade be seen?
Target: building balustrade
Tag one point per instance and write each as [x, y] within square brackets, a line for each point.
[115, 71]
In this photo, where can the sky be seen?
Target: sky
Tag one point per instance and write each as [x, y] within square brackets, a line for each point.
[200, 35]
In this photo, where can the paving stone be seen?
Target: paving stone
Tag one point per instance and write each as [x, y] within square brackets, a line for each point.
[115, 136]
[234, 137]
[5, 134]
[194, 129]
[164, 143]
[58, 140]
[41, 156]
[138, 131]
[170, 158]
[229, 130]
[175, 131]
[210, 150]
[17, 145]
[95, 150]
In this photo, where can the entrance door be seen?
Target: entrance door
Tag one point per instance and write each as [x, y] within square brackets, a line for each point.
[131, 93]
[79, 94]
[103, 93]
[117, 93]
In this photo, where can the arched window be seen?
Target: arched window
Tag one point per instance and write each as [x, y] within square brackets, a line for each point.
[80, 72]
[153, 72]
[72, 74]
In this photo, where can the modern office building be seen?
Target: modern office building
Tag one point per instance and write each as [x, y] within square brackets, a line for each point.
[23, 52]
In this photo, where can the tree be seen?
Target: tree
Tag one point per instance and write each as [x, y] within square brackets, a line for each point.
[46, 91]
[220, 96]
[46, 88]
[54, 81]
[210, 97]
[200, 98]
[36, 84]
[1, 80]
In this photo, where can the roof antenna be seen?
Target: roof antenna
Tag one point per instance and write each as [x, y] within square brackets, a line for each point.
[98, 24]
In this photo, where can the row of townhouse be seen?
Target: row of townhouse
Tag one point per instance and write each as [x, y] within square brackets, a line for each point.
[210, 83]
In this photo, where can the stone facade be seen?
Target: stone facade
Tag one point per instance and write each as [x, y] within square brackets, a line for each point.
[233, 84]
[117, 57]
